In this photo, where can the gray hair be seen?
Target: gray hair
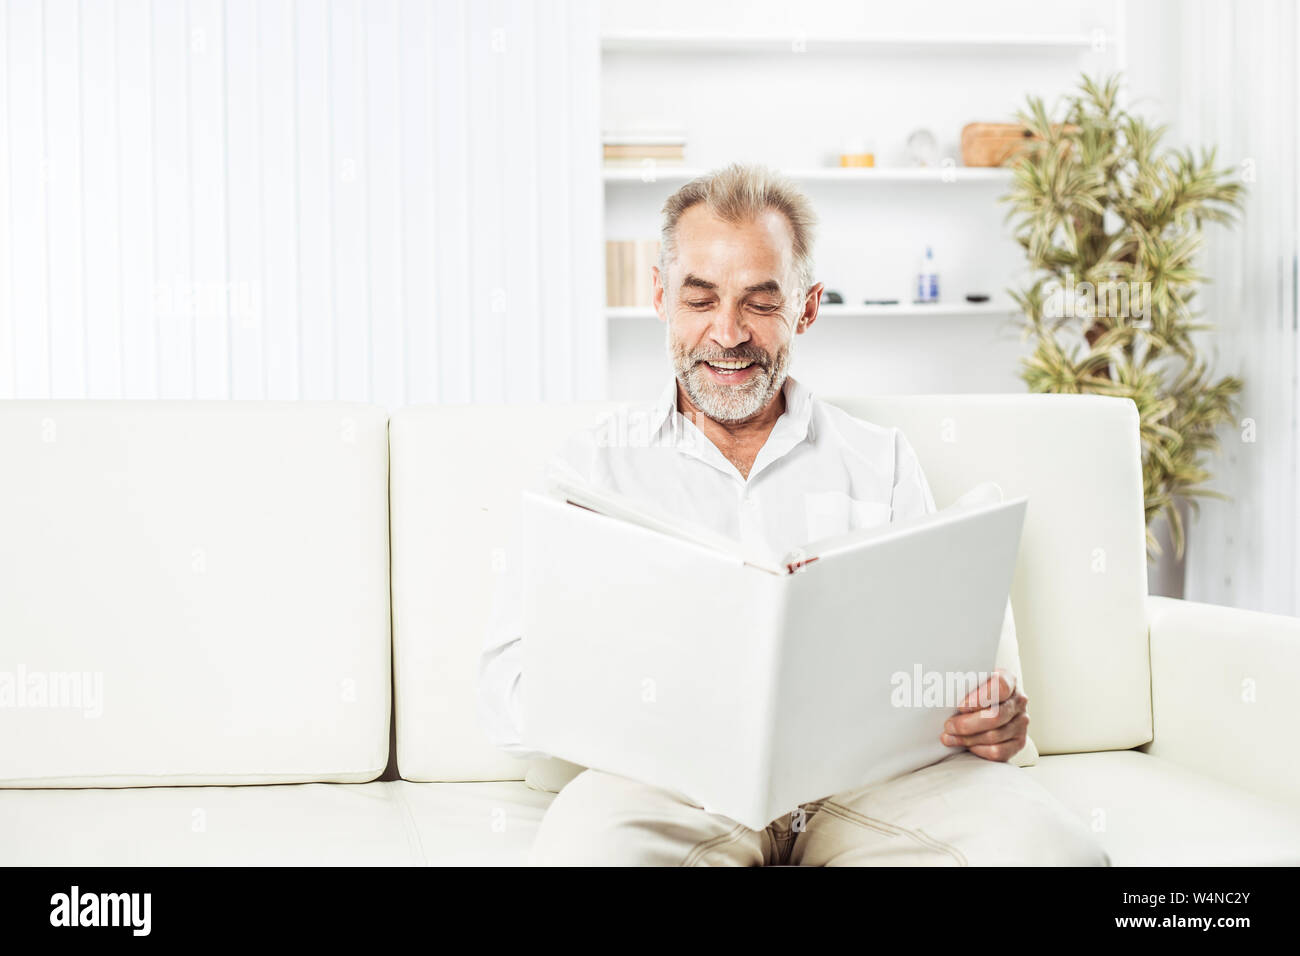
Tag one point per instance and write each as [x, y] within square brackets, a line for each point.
[740, 193]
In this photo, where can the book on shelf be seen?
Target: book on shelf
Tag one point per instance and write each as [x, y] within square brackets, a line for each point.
[628, 277]
[635, 147]
[637, 154]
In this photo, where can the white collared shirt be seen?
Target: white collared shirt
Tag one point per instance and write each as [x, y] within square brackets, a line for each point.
[821, 472]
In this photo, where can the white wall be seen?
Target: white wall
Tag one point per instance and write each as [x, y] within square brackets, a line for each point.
[821, 18]
[392, 201]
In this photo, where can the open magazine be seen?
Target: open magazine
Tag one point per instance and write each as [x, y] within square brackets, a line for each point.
[752, 683]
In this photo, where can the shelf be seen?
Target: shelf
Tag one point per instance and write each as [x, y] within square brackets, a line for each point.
[1000, 309]
[669, 42]
[832, 174]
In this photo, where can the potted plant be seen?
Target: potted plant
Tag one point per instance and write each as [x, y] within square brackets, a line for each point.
[1111, 225]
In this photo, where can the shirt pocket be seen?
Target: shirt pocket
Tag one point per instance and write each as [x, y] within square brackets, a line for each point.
[830, 513]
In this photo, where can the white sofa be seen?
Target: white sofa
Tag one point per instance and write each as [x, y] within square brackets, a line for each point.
[254, 586]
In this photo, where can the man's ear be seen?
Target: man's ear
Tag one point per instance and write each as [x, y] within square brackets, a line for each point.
[658, 297]
[811, 304]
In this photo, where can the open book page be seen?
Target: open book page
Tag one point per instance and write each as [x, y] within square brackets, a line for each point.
[835, 544]
[614, 505]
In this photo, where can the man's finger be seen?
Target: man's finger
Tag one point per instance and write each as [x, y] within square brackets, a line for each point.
[993, 691]
[999, 753]
[1015, 729]
[979, 721]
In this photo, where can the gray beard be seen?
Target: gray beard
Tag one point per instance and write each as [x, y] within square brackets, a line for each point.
[729, 403]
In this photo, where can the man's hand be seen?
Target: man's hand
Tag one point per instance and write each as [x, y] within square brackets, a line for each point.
[994, 731]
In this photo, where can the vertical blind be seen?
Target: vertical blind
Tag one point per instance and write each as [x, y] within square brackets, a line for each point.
[1241, 91]
[394, 201]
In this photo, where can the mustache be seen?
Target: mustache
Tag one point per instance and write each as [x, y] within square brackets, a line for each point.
[757, 356]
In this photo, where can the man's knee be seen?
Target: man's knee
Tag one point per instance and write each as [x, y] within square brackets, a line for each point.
[576, 828]
[602, 819]
[963, 810]
[1048, 835]
[1026, 825]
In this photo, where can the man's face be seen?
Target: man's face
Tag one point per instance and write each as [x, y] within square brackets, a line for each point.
[731, 304]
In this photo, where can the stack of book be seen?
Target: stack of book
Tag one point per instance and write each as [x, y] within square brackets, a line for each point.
[639, 147]
[628, 281]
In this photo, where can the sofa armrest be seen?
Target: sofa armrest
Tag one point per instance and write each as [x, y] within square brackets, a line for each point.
[1223, 689]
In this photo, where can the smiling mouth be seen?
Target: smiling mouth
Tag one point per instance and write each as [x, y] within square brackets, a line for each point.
[726, 368]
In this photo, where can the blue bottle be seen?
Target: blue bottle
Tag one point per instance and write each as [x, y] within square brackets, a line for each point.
[927, 279]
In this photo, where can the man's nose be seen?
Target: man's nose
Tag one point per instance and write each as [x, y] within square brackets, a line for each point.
[729, 329]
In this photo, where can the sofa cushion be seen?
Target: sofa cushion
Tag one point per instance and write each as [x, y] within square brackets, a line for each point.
[1145, 811]
[1148, 811]
[374, 824]
[1222, 681]
[473, 824]
[193, 593]
[310, 824]
[457, 475]
[1079, 589]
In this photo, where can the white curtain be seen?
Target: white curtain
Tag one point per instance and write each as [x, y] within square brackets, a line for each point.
[1225, 74]
[391, 200]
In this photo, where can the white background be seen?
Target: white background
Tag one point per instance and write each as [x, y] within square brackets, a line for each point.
[381, 201]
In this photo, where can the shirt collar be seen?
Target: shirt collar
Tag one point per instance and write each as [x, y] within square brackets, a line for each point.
[794, 425]
[664, 406]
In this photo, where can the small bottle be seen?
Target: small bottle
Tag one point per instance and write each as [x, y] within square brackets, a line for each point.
[927, 278]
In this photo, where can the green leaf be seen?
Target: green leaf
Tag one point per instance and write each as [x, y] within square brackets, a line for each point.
[1094, 165]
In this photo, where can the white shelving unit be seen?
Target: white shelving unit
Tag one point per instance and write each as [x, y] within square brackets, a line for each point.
[790, 99]
[655, 41]
[995, 309]
[943, 175]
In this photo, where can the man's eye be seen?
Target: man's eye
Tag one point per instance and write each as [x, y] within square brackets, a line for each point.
[700, 304]
[758, 307]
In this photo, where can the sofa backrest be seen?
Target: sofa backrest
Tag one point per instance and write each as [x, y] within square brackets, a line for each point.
[1078, 592]
[457, 475]
[193, 593]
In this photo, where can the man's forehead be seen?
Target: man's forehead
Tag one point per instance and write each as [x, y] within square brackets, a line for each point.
[711, 251]
[769, 227]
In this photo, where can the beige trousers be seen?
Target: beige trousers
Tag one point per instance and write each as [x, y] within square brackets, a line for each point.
[962, 811]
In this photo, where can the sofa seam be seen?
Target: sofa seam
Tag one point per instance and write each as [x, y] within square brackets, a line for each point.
[409, 826]
[1151, 680]
[391, 742]
[309, 776]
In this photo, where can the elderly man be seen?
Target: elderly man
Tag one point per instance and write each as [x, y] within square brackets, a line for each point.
[736, 444]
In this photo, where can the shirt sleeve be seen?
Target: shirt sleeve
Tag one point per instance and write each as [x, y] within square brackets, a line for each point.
[500, 672]
[911, 495]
